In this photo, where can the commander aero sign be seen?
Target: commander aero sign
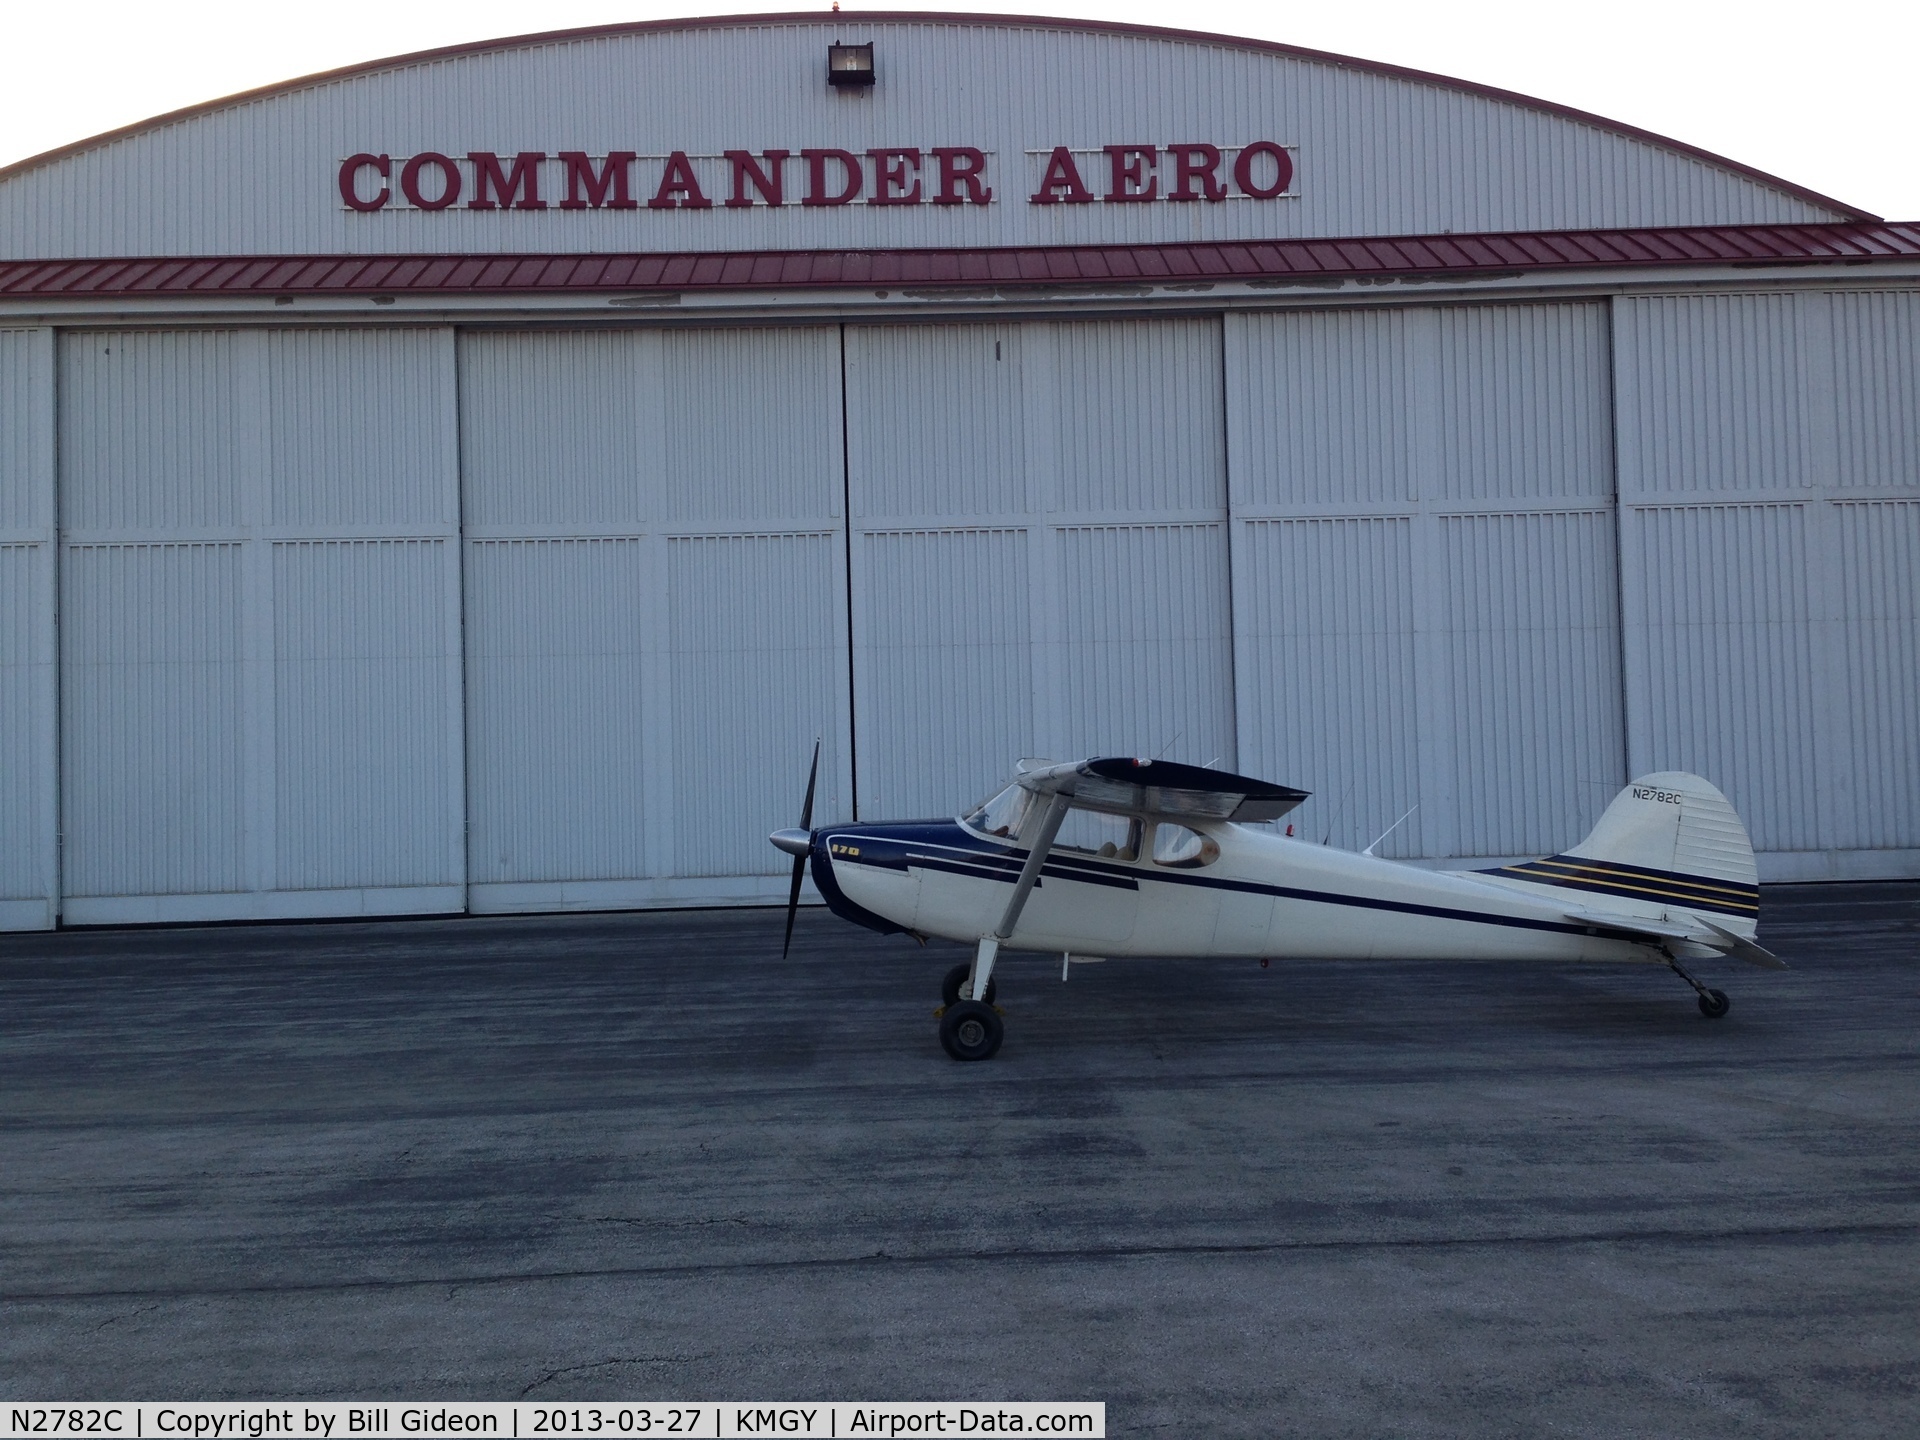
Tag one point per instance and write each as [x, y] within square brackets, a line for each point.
[814, 177]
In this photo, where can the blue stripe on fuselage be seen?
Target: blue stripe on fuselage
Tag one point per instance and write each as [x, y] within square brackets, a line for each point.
[829, 887]
[949, 847]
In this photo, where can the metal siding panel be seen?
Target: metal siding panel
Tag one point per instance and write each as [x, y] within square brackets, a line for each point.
[617, 680]
[1729, 662]
[1091, 458]
[943, 698]
[1525, 403]
[1715, 394]
[355, 425]
[29, 748]
[754, 430]
[756, 643]
[26, 440]
[1146, 655]
[1322, 410]
[360, 682]
[935, 415]
[1880, 633]
[1138, 412]
[1877, 347]
[26, 703]
[561, 428]
[1419, 420]
[154, 428]
[1781, 396]
[1379, 154]
[1534, 646]
[151, 657]
[330, 757]
[1326, 683]
[555, 709]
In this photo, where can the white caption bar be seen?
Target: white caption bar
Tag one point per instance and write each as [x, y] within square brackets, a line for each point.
[257, 1420]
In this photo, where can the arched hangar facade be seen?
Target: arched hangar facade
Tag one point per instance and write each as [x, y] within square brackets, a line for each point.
[470, 481]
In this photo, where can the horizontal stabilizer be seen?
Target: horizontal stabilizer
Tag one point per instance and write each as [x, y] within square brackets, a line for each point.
[1748, 951]
[1654, 930]
[1701, 932]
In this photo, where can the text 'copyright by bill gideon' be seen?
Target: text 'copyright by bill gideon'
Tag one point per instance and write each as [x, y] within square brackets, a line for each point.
[202, 1420]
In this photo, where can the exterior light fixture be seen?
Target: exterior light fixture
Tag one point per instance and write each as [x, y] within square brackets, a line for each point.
[849, 66]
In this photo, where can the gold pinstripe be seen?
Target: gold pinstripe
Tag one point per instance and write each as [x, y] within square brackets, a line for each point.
[1654, 889]
[1613, 872]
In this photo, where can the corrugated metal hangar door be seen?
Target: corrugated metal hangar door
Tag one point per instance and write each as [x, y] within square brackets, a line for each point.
[656, 619]
[1770, 486]
[1039, 551]
[1424, 572]
[29, 856]
[260, 619]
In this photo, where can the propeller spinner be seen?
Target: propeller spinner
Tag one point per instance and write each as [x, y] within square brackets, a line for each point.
[797, 843]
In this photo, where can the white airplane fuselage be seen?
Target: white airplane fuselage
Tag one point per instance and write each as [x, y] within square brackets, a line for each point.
[1262, 895]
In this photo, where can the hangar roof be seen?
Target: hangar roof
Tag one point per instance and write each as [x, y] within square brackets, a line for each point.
[1372, 150]
[850, 21]
[1437, 257]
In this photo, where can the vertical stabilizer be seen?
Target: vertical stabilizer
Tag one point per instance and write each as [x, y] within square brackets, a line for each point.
[1669, 844]
[1678, 823]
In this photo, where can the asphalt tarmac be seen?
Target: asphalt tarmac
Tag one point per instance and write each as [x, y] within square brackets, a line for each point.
[637, 1156]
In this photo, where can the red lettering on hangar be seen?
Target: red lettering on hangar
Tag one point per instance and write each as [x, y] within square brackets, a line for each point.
[884, 175]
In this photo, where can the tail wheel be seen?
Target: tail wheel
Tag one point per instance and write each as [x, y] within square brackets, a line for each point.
[957, 978]
[1714, 1004]
[971, 1030]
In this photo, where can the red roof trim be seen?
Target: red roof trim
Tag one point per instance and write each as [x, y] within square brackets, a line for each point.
[1081, 265]
[931, 17]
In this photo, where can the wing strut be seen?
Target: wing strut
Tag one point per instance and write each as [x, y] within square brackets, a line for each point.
[983, 958]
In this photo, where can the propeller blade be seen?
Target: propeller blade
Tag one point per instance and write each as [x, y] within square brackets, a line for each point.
[793, 902]
[813, 773]
[800, 861]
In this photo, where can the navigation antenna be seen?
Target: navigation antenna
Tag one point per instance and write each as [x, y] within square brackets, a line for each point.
[1327, 839]
[1388, 831]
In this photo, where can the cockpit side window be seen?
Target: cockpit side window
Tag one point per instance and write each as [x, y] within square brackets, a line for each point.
[1183, 849]
[1003, 815]
[1092, 832]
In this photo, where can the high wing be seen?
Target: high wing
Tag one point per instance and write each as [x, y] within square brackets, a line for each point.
[1160, 787]
[1701, 932]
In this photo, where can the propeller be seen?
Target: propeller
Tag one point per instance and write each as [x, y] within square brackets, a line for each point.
[804, 835]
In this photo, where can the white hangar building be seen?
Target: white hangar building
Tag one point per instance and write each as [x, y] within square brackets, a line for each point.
[469, 481]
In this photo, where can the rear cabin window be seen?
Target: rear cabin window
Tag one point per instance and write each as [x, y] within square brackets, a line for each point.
[1181, 848]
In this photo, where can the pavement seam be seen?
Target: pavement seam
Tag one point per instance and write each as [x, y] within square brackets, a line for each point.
[881, 1258]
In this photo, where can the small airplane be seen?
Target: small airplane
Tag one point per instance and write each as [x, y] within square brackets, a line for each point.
[1120, 856]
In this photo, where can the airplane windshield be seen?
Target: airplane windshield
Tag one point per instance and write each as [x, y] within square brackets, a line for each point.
[1003, 815]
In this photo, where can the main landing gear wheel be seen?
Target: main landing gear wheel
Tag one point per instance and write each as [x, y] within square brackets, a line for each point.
[956, 978]
[971, 1030]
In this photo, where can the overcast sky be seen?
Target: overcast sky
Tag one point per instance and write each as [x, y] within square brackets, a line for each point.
[1824, 97]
